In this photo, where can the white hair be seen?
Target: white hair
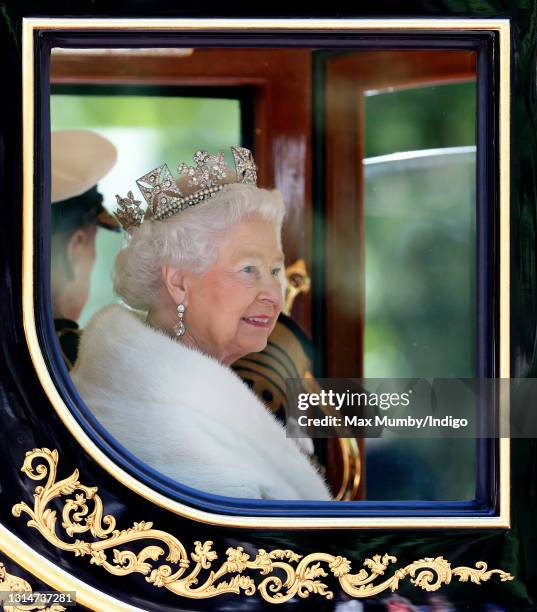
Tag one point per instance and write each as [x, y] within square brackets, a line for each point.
[188, 240]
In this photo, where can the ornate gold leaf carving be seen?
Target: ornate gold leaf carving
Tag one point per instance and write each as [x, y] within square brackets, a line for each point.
[14, 584]
[285, 573]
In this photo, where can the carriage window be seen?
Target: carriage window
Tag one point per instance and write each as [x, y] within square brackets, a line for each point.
[374, 155]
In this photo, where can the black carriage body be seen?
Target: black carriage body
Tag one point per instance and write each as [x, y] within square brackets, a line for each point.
[30, 421]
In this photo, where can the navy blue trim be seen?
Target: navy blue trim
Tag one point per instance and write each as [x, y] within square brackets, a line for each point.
[44, 321]
[487, 254]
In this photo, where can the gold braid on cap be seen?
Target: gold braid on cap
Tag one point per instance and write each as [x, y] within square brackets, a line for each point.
[204, 179]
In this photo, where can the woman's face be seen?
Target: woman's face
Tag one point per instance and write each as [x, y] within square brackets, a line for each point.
[233, 307]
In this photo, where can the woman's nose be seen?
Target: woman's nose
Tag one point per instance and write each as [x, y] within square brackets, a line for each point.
[271, 292]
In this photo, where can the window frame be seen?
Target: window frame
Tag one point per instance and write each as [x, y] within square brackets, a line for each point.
[39, 36]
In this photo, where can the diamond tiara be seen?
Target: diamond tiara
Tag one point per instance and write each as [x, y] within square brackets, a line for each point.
[204, 179]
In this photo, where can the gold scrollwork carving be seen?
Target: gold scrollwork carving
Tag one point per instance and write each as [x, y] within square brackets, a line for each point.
[14, 584]
[284, 573]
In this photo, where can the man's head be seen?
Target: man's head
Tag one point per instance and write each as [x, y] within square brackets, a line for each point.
[79, 160]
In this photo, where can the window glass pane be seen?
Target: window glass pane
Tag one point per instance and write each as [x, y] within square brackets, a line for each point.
[420, 118]
[420, 272]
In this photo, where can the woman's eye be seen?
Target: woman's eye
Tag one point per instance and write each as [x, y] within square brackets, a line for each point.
[249, 269]
[276, 271]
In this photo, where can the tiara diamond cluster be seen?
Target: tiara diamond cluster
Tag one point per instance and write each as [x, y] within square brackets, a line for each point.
[203, 180]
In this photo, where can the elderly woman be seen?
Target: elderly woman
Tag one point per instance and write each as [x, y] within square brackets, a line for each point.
[204, 266]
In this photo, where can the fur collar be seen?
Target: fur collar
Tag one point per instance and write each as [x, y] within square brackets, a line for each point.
[186, 414]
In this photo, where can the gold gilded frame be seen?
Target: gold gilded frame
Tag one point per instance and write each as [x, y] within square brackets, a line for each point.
[33, 25]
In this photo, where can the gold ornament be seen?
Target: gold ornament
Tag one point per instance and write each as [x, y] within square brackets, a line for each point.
[285, 573]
